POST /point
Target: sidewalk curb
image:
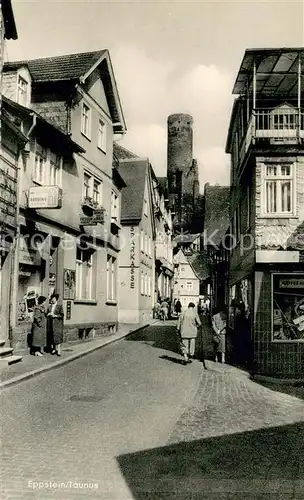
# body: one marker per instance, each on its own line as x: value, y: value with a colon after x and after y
x: 278, y: 381
x: 68, y: 359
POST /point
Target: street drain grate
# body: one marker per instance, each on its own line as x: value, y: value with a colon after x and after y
x: 86, y: 399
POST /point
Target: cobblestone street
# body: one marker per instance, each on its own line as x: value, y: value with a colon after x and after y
x: 132, y: 420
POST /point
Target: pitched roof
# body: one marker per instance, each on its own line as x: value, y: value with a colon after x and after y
x: 186, y: 238
x: 65, y: 67
x: 134, y: 173
x: 217, y: 217
x: 10, y: 30
x: 199, y: 263
x: 77, y: 67
x: 122, y: 153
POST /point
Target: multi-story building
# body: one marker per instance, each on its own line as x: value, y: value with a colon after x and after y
x: 186, y: 281
x: 265, y: 140
x: 216, y: 223
x: 137, y: 256
x: 70, y: 191
x: 163, y: 244
x: 12, y: 141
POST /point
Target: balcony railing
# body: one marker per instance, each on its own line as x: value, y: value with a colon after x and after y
x: 276, y: 126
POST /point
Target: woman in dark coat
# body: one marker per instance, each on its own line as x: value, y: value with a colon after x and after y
x: 56, y: 315
x: 38, y: 340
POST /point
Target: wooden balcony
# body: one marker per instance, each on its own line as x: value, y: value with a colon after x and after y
x: 273, y: 127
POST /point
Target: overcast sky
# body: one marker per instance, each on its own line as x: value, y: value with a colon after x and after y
x: 168, y: 57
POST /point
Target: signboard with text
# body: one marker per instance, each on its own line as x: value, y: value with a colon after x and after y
x: 132, y: 257
x: 44, y: 197
x: 96, y: 218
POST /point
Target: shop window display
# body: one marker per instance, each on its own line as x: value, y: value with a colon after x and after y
x: 287, y: 307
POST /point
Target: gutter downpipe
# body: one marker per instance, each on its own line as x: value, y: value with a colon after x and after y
x: 16, y: 243
x: 254, y: 102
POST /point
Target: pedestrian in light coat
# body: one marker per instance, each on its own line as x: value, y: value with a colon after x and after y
x: 219, y: 336
x: 38, y: 333
x: 56, y: 315
x: 187, y: 326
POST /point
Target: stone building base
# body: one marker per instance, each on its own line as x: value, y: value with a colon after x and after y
x: 72, y: 333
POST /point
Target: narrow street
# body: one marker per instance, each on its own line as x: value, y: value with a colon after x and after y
x: 130, y: 422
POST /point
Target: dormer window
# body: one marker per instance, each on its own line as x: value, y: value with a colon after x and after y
x: 22, y: 91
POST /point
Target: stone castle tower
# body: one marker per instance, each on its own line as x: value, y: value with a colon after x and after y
x: 182, y: 170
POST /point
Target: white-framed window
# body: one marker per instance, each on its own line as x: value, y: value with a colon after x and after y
x: 85, y: 274
x: 97, y: 185
x: 92, y: 189
x: 102, y: 136
x: 149, y: 247
x: 149, y: 286
x: 114, y: 206
x: 145, y: 207
x: 146, y: 284
x: 40, y: 164
x: 142, y: 241
x: 22, y: 91
x: 278, y: 189
x: 189, y: 285
x: 55, y: 169
x: 86, y: 120
x: 111, y: 278
x: 142, y: 285
x: 87, y: 190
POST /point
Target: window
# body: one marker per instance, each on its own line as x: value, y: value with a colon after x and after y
x: 146, y: 284
x: 85, y: 274
x: 96, y: 192
x: 86, y: 120
x: 149, y: 247
x: 142, y: 287
x: 111, y: 278
x: 142, y: 240
x: 86, y: 186
x: 278, y: 189
x: 101, y: 141
x: 189, y: 285
x: 149, y: 286
x: 114, y: 206
x: 22, y: 90
x: 40, y: 164
x: 92, y: 189
x: 287, y: 307
x: 145, y: 208
x: 55, y: 169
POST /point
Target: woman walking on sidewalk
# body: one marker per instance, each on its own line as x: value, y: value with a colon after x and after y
x: 56, y: 316
x: 187, y: 326
x: 38, y: 340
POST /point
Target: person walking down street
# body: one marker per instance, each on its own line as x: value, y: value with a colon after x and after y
x: 38, y: 340
x: 187, y: 325
x: 56, y: 316
x: 178, y: 307
x: 156, y: 310
x: 219, y: 336
x: 164, y: 309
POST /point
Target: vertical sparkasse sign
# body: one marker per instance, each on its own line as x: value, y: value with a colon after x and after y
x: 132, y: 257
